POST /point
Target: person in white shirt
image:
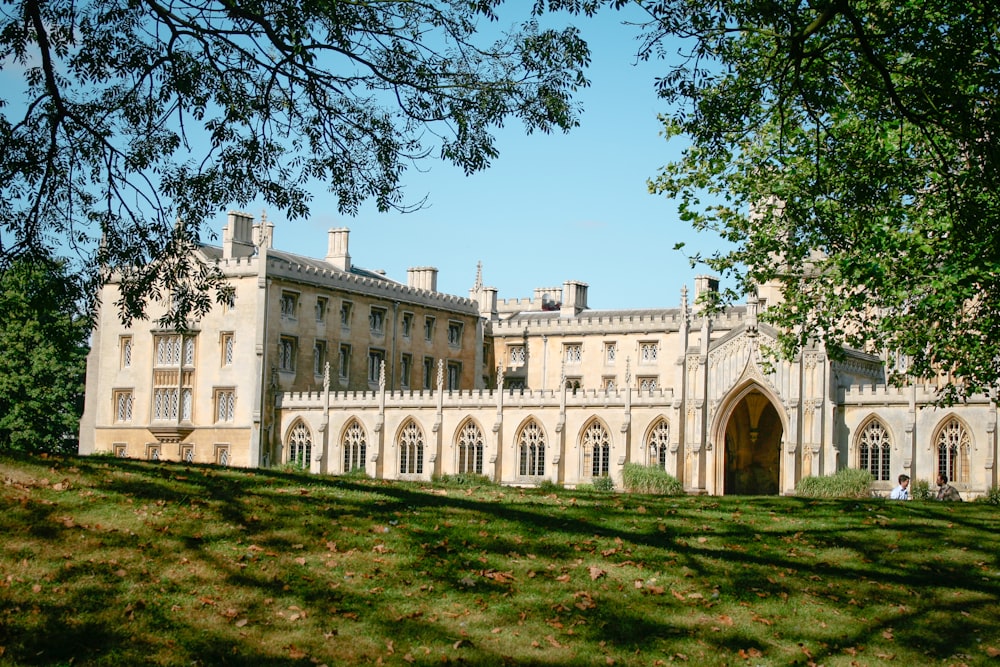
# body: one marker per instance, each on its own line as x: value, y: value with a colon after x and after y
x: 901, y: 492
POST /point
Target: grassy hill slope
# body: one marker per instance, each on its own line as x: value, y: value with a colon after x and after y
x: 117, y: 562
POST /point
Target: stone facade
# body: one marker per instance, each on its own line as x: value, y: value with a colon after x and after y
x: 521, y: 390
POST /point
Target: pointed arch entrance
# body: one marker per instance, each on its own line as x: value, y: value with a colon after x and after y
x: 751, y: 430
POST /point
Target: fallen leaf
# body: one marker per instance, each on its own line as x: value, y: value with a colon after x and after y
x: 596, y: 573
x: 552, y: 640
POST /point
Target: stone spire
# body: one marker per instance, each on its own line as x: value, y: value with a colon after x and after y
x: 478, y: 286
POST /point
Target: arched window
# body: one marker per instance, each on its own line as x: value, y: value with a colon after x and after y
x: 470, y: 449
x: 953, y: 444
x: 874, y: 446
x: 411, y: 449
x: 531, y: 448
x: 355, y: 447
x: 300, y: 445
x: 596, y: 447
x: 657, y: 443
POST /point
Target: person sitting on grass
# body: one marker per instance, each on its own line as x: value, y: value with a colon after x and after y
x: 901, y: 492
x: 946, y: 491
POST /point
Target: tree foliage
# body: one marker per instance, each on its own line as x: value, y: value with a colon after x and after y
x: 141, y: 120
x: 43, y: 351
x: 849, y: 153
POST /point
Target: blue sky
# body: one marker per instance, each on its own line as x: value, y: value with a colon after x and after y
x: 551, y: 208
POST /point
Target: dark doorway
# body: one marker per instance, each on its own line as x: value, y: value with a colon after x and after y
x: 753, y: 439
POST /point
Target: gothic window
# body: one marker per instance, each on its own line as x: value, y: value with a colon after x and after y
x: 455, y: 334
x: 647, y: 384
x: 344, y: 361
x: 188, y: 351
x: 319, y: 357
x: 405, y: 369
x: 470, y: 449
x: 454, y: 375
x: 187, y: 403
x: 126, y: 351
x: 608, y: 383
x: 517, y: 355
x: 428, y: 328
x: 228, y: 348
x: 345, y: 314
x: 355, y: 447
x: 648, y: 352
x: 168, y: 350
x: 610, y: 352
x: 596, y: 445
x: 165, y: 403
x: 514, y: 384
x: 289, y: 305
x: 531, y: 450
x: 153, y: 452
x: 658, y: 442
x: 321, y: 306
x: 573, y: 384
x: 407, y: 325
x: 375, y: 360
x: 187, y: 453
x: 225, y: 405
x: 953, y: 445
x: 123, y: 405
x: 874, y: 447
x: 286, y: 354
x: 120, y: 450
x: 411, y: 449
x: 573, y: 353
x: 300, y: 445
x: 376, y: 321
x: 428, y: 372
x: 222, y: 455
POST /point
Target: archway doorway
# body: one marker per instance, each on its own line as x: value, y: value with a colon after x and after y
x: 753, y: 441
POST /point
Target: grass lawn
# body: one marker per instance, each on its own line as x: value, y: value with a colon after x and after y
x: 109, y: 561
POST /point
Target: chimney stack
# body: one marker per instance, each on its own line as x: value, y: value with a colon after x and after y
x: 336, y: 249
x: 422, y: 277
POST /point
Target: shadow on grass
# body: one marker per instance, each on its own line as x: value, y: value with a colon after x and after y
x: 859, y: 557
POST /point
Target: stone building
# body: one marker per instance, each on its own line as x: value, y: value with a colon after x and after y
x: 520, y: 390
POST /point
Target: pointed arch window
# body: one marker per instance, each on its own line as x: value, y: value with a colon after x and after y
x: 355, y: 447
x: 470, y: 449
x: 874, y: 447
x: 953, y: 445
x: 531, y: 450
x: 411, y: 450
x: 300, y: 445
x: 658, y: 442
x: 596, y: 450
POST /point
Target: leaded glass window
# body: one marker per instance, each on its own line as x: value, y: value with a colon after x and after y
x: 596, y: 447
x: 300, y: 445
x: 355, y: 447
x: 531, y: 449
x: 470, y: 449
x: 658, y: 442
x: 873, y: 451
x: 411, y: 450
x: 953, y: 444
